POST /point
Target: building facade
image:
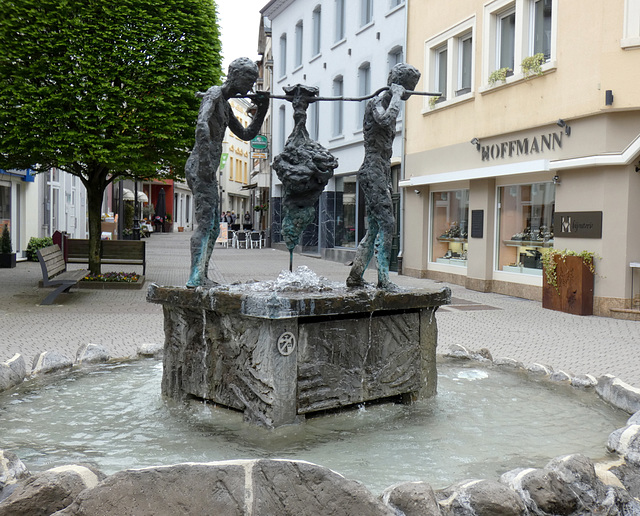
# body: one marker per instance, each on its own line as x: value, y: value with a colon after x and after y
x: 344, y: 49
x: 534, y: 143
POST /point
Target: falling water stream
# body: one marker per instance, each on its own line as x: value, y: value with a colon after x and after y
x: 483, y: 422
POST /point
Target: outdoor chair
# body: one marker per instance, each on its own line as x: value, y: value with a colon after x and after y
x: 256, y: 241
x: 241, y: 240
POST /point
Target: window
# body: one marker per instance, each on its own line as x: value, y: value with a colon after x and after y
x: 347, y: 215
x: 317, y: 30
x: 314, y: 121
x: 231, y: 169
x: 338, y: 91
x: 540, y: 30
x: 282, y: 127
x: 364, y: 88
x: 525, y: 221
x: 506, y: 40
x: 441, y: 72
x: 283, y: 55
x: 631, y: 29
x: 395, y: 3
x: 366, y: 12
x: 395, y: 57
x: 464, y: 64
x: 299, y: 39
x: 516, y: 29
x: 450, y: 61
x: 449, y: 227
x: 340, y: 20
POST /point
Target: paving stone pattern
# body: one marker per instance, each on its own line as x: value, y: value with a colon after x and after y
x: 122, y: 320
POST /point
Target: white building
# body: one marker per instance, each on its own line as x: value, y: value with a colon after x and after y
x: 343, y: 52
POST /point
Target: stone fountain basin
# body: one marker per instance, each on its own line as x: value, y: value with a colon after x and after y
x: 277, y: 356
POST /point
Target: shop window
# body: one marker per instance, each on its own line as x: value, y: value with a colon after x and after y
x: 450, y: 224
x: 525, y: 222
x: 5, y: 206
x: 450, y: 61
x: 346, y: 212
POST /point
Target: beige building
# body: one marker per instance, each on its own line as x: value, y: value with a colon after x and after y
x: 534, y: 143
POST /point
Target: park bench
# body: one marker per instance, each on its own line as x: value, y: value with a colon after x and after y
x: 55, y: 273
x: 112, y: 252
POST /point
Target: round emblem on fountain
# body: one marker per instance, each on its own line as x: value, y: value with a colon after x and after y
x: 286, y: 343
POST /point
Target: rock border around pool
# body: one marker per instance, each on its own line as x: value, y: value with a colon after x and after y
x: 568, y: 485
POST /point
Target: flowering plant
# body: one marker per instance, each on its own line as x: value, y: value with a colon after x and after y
x: 261, y: 207
x: 122, y: 277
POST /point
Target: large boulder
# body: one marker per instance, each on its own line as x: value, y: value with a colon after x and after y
x: 12, y: 372
x: 50, y: 361
x: 619, y: 393
x: 47, y: 492
x: 231, y: 488
x: 480, y: 498
x: 626, y: 442
x: 92, y: 354
x: 11, y: 471
x: 412, y: 499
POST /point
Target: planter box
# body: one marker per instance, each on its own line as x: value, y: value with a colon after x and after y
x: 7, y: 261
x: 575, y: 287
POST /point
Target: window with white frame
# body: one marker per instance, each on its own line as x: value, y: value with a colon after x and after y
x: 631, y: 29
x: 317, y: 31
x: 299, y: 40
x: 506, y: 39
x: 366, y: 12
x: 340, y: 22
x: 338, y: 91
x: 395, y: 3
x: 450, y: 61
x: 364, y: 88
x: 395, y: 57
x: 283, y: 55
x: 515, y: 30
x: 282, y: 127
x: 440, y: 80
x: 314, y: 121
x: 540, y: 28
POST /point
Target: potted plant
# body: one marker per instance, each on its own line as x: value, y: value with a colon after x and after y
x: 568, y: 279
x: 500, y: 74
x: 7, y: 256
x: 532, y: 65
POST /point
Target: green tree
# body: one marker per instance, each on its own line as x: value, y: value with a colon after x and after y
x: 103, y: 89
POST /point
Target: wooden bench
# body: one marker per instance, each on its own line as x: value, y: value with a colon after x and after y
x: 118, y: 252
x: 55, y: 273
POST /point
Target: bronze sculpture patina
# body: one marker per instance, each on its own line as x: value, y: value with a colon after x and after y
x: 379, y: 128
x: 304, y: 167
x: 214, y: 117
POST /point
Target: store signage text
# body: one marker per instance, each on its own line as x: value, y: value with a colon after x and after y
x: 578, y: 224
x: 522, y: 146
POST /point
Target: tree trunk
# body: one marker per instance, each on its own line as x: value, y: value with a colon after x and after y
x: 95, y: 191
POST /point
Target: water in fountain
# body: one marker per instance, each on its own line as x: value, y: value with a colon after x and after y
x: 483, y: 422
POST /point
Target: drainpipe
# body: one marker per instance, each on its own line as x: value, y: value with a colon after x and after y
x: 402, y: 149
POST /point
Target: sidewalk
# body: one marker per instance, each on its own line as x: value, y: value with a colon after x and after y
x: 121, y: 320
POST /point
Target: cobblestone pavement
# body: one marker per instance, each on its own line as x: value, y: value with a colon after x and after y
x: 121, y: 320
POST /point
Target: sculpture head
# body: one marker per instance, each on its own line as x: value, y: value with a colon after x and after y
x: 405, y: 75
x: 242, y: 75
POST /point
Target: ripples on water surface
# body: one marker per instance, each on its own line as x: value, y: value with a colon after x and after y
x: 482, y: 423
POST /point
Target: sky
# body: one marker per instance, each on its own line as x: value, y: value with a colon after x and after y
x: 239, y: 21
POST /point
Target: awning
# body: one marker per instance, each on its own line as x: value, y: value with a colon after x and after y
x: 127, y: 195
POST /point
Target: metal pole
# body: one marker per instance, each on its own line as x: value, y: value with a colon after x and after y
x: 258, y: 94
x: 136, y: 218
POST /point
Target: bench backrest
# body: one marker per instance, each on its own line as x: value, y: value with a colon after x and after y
x: 51, y: 261
x: 123, y: 249
x: 109, y: 249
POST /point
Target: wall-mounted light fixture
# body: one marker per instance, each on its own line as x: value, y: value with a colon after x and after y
x: 556, y: 180
x: 608, y: 97
x: 476, y: 142
x: 567, y: 129
x: 418, y: 192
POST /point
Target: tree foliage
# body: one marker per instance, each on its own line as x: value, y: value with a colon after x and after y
x: 103, y: 89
